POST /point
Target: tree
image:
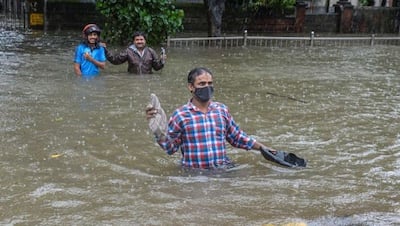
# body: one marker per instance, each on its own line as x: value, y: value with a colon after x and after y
x: 158, y: 18
x: 367, y: 2
x: 215, y: 10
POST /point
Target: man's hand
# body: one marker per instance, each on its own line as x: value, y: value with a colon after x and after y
x: 150, y: 112
x: 163, y: 56
x: 87, y: 56
x: 265, y: 148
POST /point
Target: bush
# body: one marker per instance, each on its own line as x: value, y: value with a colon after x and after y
x: 158, y: 18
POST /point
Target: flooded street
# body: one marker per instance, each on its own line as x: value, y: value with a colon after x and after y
x: 79, y: 152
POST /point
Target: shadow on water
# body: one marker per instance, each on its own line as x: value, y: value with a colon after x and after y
x: 78, y: 150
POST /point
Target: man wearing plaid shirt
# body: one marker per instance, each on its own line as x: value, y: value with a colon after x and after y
x: 201, y: 127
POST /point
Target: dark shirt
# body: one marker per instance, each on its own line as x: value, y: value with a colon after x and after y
x: 137, y: 64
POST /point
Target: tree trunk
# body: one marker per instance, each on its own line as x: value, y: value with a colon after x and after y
x: 215, y: 10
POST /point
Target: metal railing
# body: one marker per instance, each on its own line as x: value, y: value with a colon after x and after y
x: 274, y: 41
x: 12, y: 15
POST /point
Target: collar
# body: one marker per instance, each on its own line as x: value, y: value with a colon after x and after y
x: 191, y: 106
x: 133, y: 47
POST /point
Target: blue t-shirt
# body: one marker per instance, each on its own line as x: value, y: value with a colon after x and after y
x: 87, y: 67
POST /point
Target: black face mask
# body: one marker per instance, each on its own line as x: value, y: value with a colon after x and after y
x: 204, y: 94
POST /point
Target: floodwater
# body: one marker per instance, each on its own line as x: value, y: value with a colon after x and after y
x: 79, y: 152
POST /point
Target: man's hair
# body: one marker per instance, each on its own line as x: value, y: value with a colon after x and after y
x: 139, y: 33
x: 196, y: 72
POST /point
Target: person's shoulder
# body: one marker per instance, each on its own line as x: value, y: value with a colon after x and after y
x: 220, y: 105
x: 102, y: 48
x: 150, y: 49
x: 182, y: 108
x: 80, y: 45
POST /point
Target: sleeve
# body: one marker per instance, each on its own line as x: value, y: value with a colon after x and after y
x: 119, y: 58
x: 102, y: 55
x: 235, y: 136
x: 173, y: 140
x: 78, y: 55
x: 156, y: 60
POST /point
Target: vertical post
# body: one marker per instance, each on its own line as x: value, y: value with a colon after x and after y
x: 45, y: 16
x: 372, y: 39
x: 312, y: 39
x: 327, y: 6
x: 245, y: 38
x: 23, y: 13
x: 15, y: 15
x: 347, y: 18
x: 300, y: 16
x: 344, y: 10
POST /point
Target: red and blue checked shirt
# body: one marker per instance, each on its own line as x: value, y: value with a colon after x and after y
x: 201, y: 137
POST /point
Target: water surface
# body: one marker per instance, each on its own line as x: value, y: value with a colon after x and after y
x: 79, y: 152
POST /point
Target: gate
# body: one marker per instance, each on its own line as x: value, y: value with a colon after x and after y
x: 12, y: 15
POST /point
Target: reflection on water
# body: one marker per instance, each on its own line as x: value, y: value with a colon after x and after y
x: 80, y: 151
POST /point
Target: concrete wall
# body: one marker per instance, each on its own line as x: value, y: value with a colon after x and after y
x: 321, y: 23
x: 376, y: 20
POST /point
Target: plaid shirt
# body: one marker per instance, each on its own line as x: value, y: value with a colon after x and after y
x: 201, y: 137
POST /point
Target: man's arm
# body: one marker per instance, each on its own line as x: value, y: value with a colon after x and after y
x: 77, y: 69
x: 99, y: 64
x: 158, y: 62
x: 120, y: 58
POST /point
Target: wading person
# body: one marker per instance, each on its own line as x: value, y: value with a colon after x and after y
x: 89, y: 54
x: 200, y: 128
x: 141, y: 59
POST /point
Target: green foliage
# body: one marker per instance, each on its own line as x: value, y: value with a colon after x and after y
x: 367, y: 2
x: 158, y: 18
x: 276, y: 7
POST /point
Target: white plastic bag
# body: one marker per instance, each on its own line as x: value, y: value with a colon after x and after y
x: 157, y: 124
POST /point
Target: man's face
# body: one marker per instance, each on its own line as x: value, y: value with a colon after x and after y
x: 201, y: 81
x: 139, y: 42
x: 92, y: 37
